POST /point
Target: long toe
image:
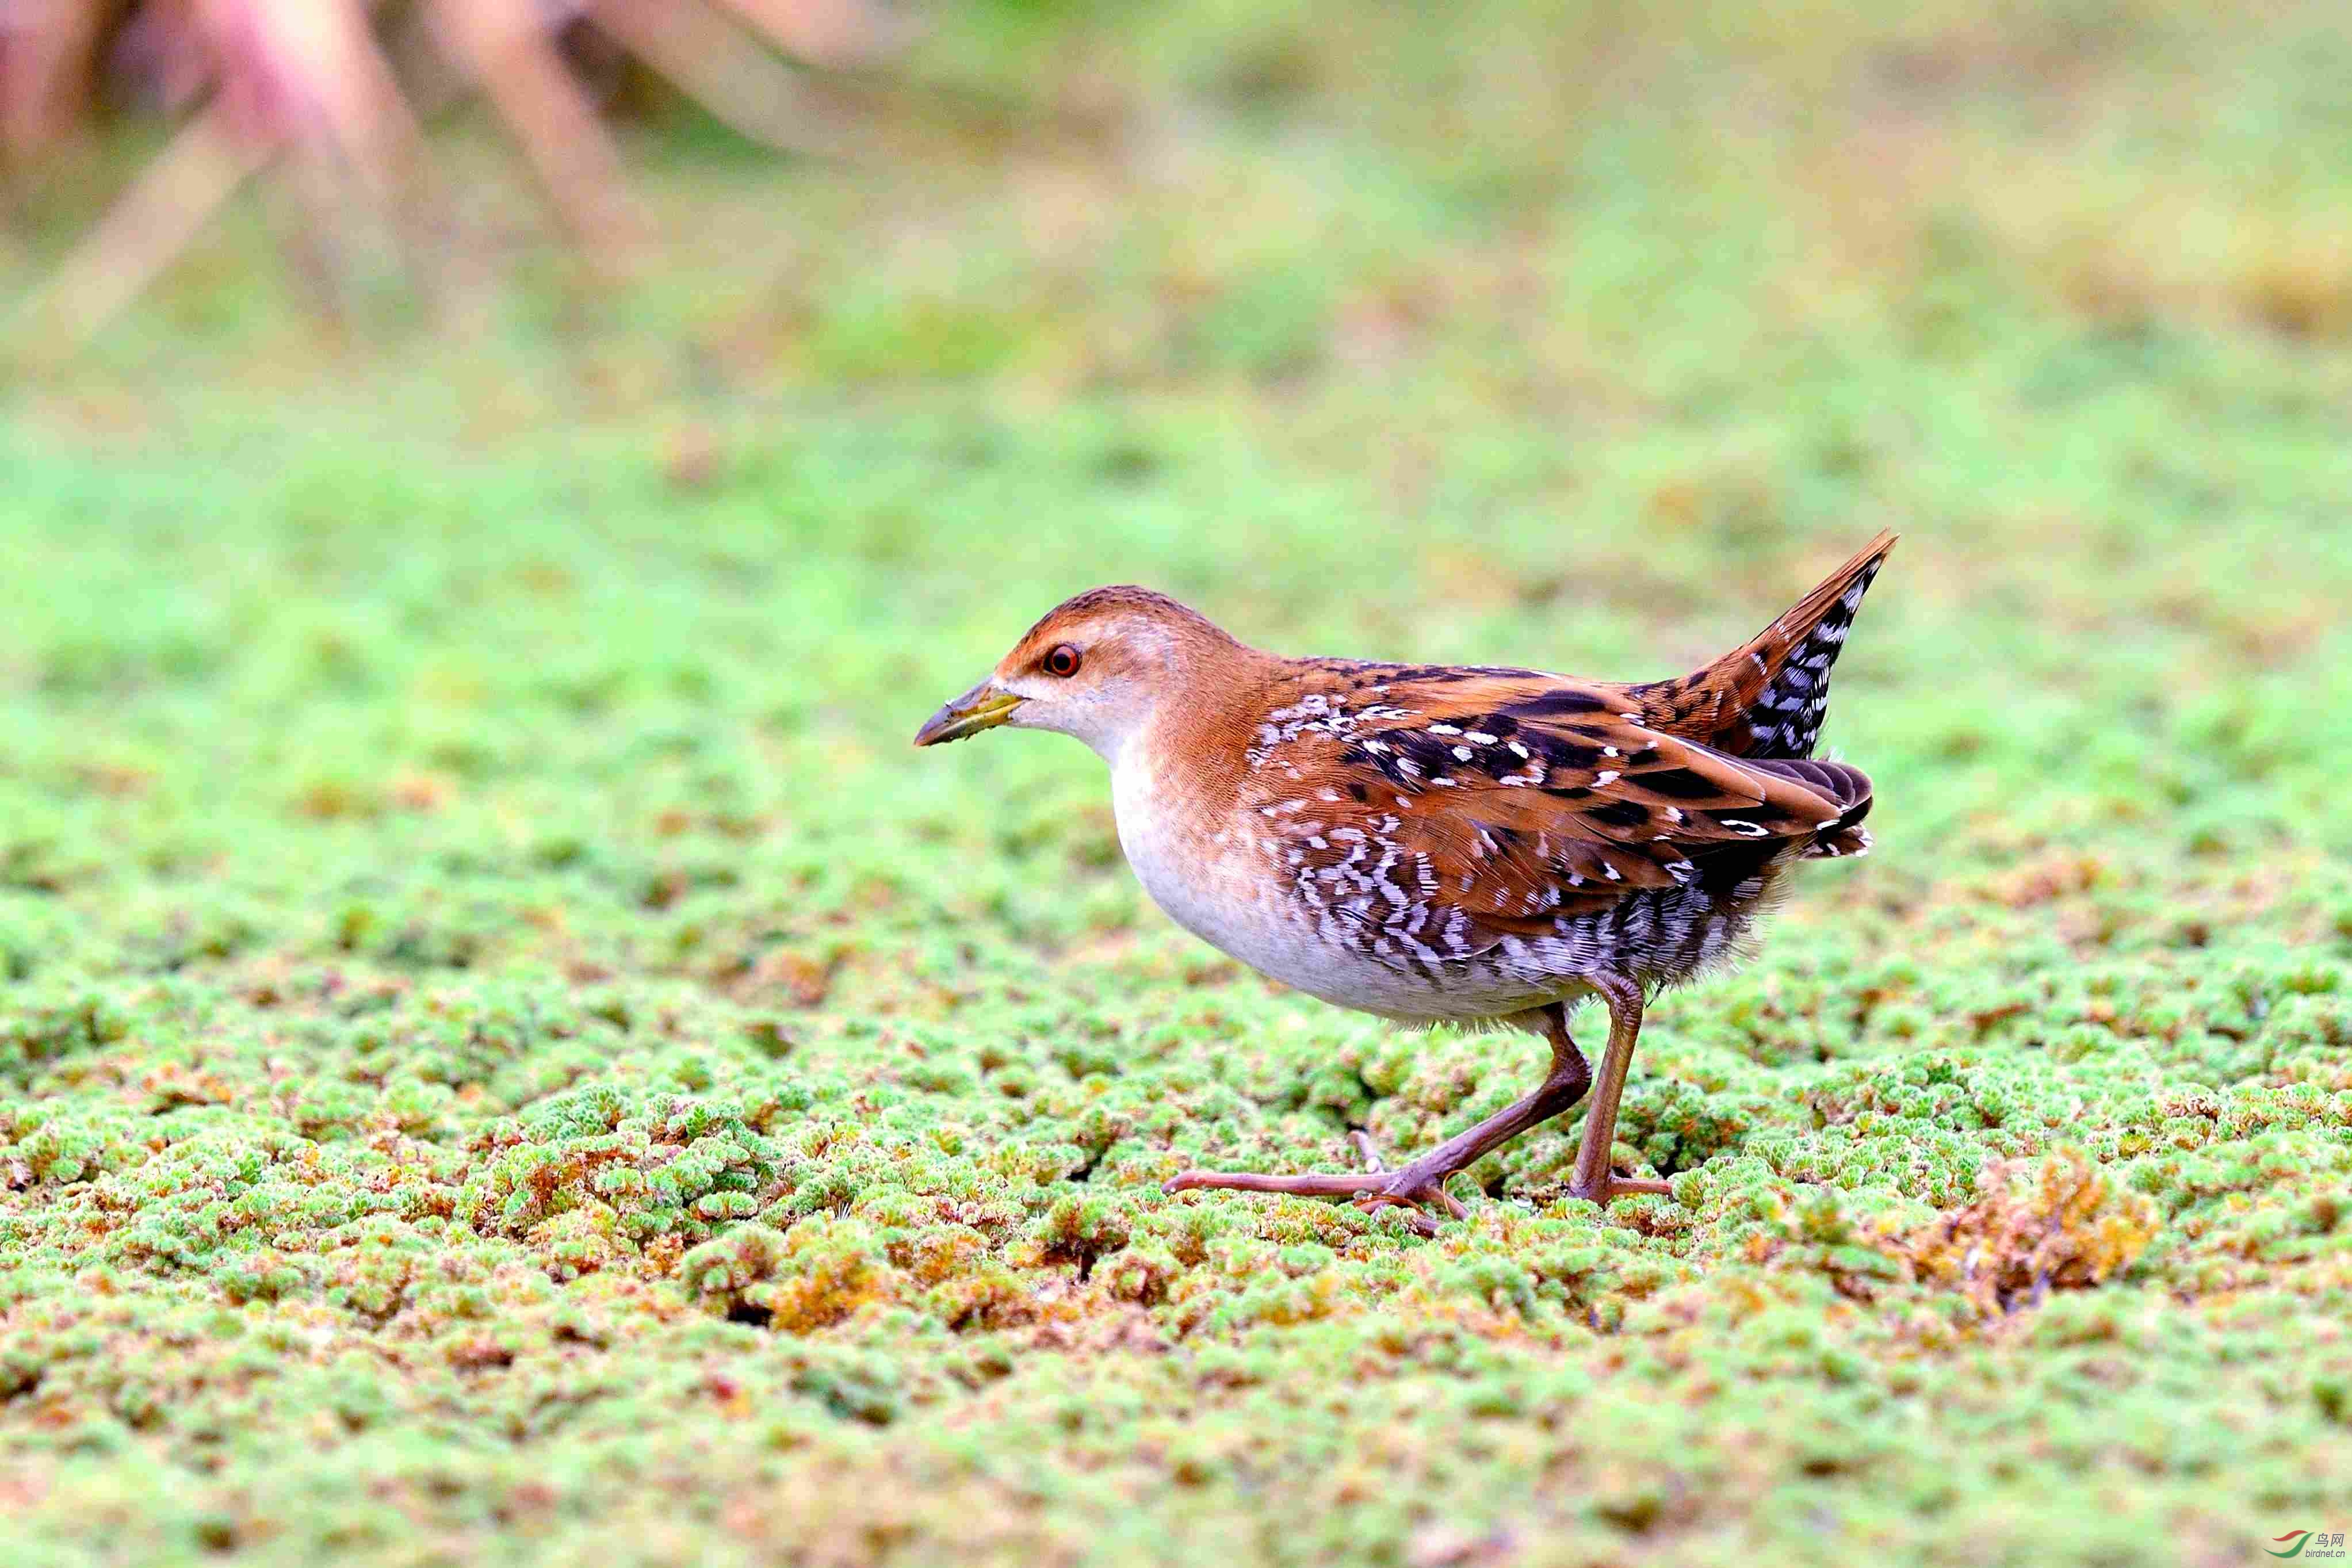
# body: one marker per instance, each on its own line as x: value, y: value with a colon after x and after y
x: 1419, y: 1191
x: 1414, y: 1215
x: 1436, y: 1193
x: 1310, y: 1186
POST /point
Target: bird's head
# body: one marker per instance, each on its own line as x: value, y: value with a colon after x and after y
x: 1099, y: 666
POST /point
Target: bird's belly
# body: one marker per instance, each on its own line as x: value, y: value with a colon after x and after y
x: 1220, y: 893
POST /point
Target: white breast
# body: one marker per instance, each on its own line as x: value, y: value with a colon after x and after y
x: 1214, y: 888
x: 1201, y: 886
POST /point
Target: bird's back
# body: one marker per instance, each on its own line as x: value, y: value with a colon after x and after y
x: 1452, y: 841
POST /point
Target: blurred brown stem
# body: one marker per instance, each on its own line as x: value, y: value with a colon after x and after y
x: 513, y: 57
x: 747, y: 88
x: 310, y: 77
x: 150, y: 224
x: 44, y: 57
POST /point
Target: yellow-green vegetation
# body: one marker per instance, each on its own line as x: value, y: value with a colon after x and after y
x: 507, y: 1054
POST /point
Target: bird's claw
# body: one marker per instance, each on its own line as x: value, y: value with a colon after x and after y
x: 1415, y: 1193
x: 1613, y: 1185
x: 1414, y: 1216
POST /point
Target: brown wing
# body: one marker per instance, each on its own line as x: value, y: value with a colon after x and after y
x: 1444, y: 815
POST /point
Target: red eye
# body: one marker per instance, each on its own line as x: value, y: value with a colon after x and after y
x: 1063, y: 661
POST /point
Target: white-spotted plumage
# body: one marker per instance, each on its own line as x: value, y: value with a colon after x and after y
x: 1444, y: 843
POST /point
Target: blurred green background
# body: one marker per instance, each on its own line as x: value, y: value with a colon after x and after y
x: 505, y: 1051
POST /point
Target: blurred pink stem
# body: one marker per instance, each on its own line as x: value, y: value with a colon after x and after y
x: 507, y: 47
x: 828, y: 32
x: 724, y: 72
x: 150, y: 224
x: 46, y: 48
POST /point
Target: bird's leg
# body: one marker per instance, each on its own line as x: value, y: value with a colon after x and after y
x: 1423, y: 1181
x: 1593, y: 1178
x: 1421, y: 1184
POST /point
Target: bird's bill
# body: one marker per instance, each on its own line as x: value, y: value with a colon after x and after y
x: 984, y: 707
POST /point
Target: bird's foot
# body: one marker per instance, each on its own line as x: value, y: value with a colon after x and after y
x: 1418, y: 1188
x: 1613, y: 1185
x: 1416, y: 1199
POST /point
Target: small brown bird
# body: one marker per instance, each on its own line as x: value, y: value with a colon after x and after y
x: 1445, y: 844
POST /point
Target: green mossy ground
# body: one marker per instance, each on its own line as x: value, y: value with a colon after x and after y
x: 505, y: 1053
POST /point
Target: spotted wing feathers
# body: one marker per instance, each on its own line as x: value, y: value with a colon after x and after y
x: 1440, y: 817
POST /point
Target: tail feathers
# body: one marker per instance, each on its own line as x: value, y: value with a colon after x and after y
x: 1766, y: 698
x: 1847, y: 786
